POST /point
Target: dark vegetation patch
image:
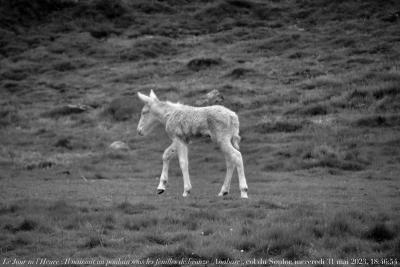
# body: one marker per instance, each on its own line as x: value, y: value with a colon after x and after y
x: 273, y: 124
x: 44, y: 164
x: 198, y: 64
x: 149, y: 48
x: 378, y: 121
x: 9, y: 208
x: 391, y: 90
x: 28, y: 225
x: 327, y: 156
x: 140, y: 222
x: 238, y: 73
x: 309, y: 73
x: 311, y: 110
x: 123, y: 108
x: 61, y: 209
x: 8, y: 116
x: 65, y: 111
x: 20, y: 240
x: 380, y: 232
x: 136, y: 208
x: 13, y: 87
x: 68, y: 65
x: 309, y: 156
x: 158, y: 238
x: 64, y: 143
x: 23, y: 12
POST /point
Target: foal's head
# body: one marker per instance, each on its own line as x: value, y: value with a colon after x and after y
x: 149, y: 116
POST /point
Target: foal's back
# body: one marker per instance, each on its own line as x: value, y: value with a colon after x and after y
x: 187, y: 122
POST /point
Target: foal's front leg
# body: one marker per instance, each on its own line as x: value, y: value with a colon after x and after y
x: 169, y: 153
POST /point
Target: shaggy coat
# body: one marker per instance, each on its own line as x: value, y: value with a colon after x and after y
x: 186, y: 122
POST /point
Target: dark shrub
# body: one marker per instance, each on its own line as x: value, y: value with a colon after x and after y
x: 378, y: 121
x: 240, y: 72
x: 198, y: 64
x: 110, y: 8
x: 123, y: 108
x: 27, y: 225
x: 380, y: 232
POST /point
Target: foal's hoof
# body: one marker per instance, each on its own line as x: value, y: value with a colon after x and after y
x: 222, y: 194
x: 186, y: 194
x: 160, y: 191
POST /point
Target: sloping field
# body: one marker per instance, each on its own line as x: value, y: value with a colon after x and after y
x: 316, y: 85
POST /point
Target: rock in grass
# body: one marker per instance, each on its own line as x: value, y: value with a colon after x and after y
x: 213, y: 97
x: 119, y: 145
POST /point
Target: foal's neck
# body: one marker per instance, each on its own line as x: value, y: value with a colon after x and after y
x: 164, y: 109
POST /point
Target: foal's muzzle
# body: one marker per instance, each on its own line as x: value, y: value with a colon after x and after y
x: 140, y: 131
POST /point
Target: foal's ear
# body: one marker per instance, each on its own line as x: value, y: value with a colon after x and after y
x: 153, y: 95
x: 146, y: 99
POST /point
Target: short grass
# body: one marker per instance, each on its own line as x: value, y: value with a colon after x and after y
x: 316, y: 88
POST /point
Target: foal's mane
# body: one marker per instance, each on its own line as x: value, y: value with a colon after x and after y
x: 176, y: 105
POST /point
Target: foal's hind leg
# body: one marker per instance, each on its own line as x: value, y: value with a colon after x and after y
x: 184, y: 164
x: 236, y: 158
x: 169, y: 153
x: 230, y: 167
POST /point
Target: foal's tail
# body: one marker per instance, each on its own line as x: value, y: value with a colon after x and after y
x: 235, y: 141
x: 235, y: 137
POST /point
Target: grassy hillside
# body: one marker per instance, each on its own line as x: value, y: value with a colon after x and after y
x: 316, y: 85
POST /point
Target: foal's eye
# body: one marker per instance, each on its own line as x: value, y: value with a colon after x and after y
x: 145, y: 112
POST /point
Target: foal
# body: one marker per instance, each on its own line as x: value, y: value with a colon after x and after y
x: 183, y: 122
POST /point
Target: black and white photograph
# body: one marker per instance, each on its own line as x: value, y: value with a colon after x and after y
x: 199, y: 133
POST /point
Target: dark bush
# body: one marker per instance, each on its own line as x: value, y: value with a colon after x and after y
x: 123, y: 108
x: 27, y: 225
x: 198, y: 64
x: 391, y: 90
x: 380, y: 232
x: 378, y: 121
x: 110, y: 8
x: 240, y: 72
